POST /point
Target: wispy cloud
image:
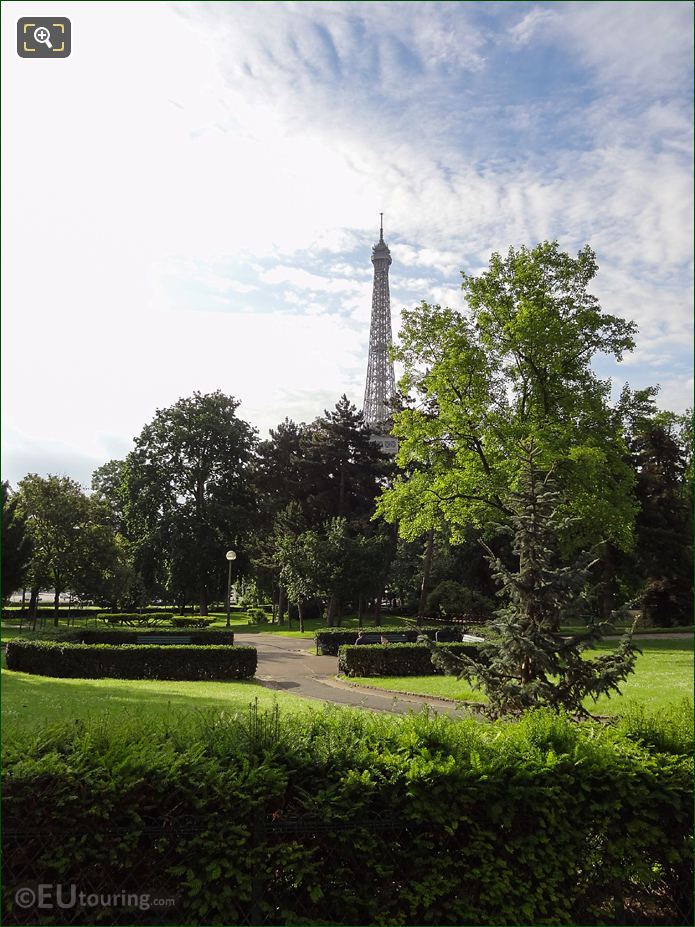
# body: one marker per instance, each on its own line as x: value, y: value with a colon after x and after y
x: 223, y: 204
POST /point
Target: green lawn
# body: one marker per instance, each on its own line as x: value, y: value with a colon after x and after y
x: 30, y: 701
x: 663, y: 677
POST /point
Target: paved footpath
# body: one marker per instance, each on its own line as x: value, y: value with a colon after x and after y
x: 290, y: 664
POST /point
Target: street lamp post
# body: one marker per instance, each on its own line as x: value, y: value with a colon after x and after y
x: 231, y: 555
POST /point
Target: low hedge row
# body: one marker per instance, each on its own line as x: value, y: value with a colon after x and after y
x: 47, y: 611
x: 328, y: 640
x: 190, y: 621
x: 130, y: 661
x: 349, y: 818
x: 133, y: 617
x: 396, y: 659
x: 86, y: 636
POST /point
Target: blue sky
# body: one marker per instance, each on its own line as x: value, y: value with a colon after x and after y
x: 210, y: 178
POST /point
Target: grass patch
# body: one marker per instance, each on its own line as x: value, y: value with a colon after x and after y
x: 663, y: 677
x: 30, y: 701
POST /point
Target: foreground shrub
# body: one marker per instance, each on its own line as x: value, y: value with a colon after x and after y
x: 396, y: 659
x: 130, y: 661
x: 345, y: 818
x: 328, y: 640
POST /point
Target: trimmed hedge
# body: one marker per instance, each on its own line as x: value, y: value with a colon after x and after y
x: 128, y: 661
x: 328, y: 640
x: 396, y: 659
x: 194, y: 621
x: 87, y: 636
x: 347, y: 818
x: 48, y: 611
x: 143, y: 618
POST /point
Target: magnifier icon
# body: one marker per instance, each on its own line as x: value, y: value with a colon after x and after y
x: 43, y: 36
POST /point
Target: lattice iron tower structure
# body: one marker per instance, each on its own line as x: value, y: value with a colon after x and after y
x: 381, y: 382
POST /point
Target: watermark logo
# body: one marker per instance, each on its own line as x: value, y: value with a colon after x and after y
x: 47, y: 896
x: 43, y: 37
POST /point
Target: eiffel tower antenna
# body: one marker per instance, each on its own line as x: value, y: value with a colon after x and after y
x: 381, y: 384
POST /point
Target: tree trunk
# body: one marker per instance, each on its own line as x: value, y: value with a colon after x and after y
x: 333, y: 615
x: 377, y: 608
x: 33, y: 605
x: 56, y: 606
x: 275, y: 604
x: 426, y: 569
x: 607, y: 576
x: 282, y: 604
x: 24, y: 599
x: 203, y: 601
x: 341, y: 491
x: 300, y: 611
x: 360, y: 610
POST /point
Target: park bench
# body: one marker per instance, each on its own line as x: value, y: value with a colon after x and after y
x: 162, y: 639
x: 391, y: 638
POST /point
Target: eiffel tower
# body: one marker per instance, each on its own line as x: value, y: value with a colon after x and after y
x: 381, y: 383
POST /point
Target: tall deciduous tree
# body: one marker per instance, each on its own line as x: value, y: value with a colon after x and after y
x: 57, y: 513
x: 515, y: 367
x: 16, y: 544
x: 189, y: 493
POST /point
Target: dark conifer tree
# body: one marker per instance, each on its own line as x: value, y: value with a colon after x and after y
x: 664, y: 526
x: 531, y: 663
x: 342, y: 467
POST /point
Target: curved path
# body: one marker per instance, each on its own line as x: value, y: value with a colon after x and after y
x: 291, y: 665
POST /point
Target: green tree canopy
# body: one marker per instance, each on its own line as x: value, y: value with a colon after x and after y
x: 16, y: 543
x: 515, y: 367
x: 189, y: 494
x: 74, y: 546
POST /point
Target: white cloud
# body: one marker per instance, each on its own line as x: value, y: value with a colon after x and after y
x: 302, y: 279
x: 209, y: 219
x: 530, y: 23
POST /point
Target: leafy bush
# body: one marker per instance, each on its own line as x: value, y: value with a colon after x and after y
x: 452, y: 600
x: 328, y: 640
x: 395, y: 659
x: 85, y: 636
x: 257, y: 615
x: 190, y: 621
x: 342, y: 817
x: 131, y: 661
